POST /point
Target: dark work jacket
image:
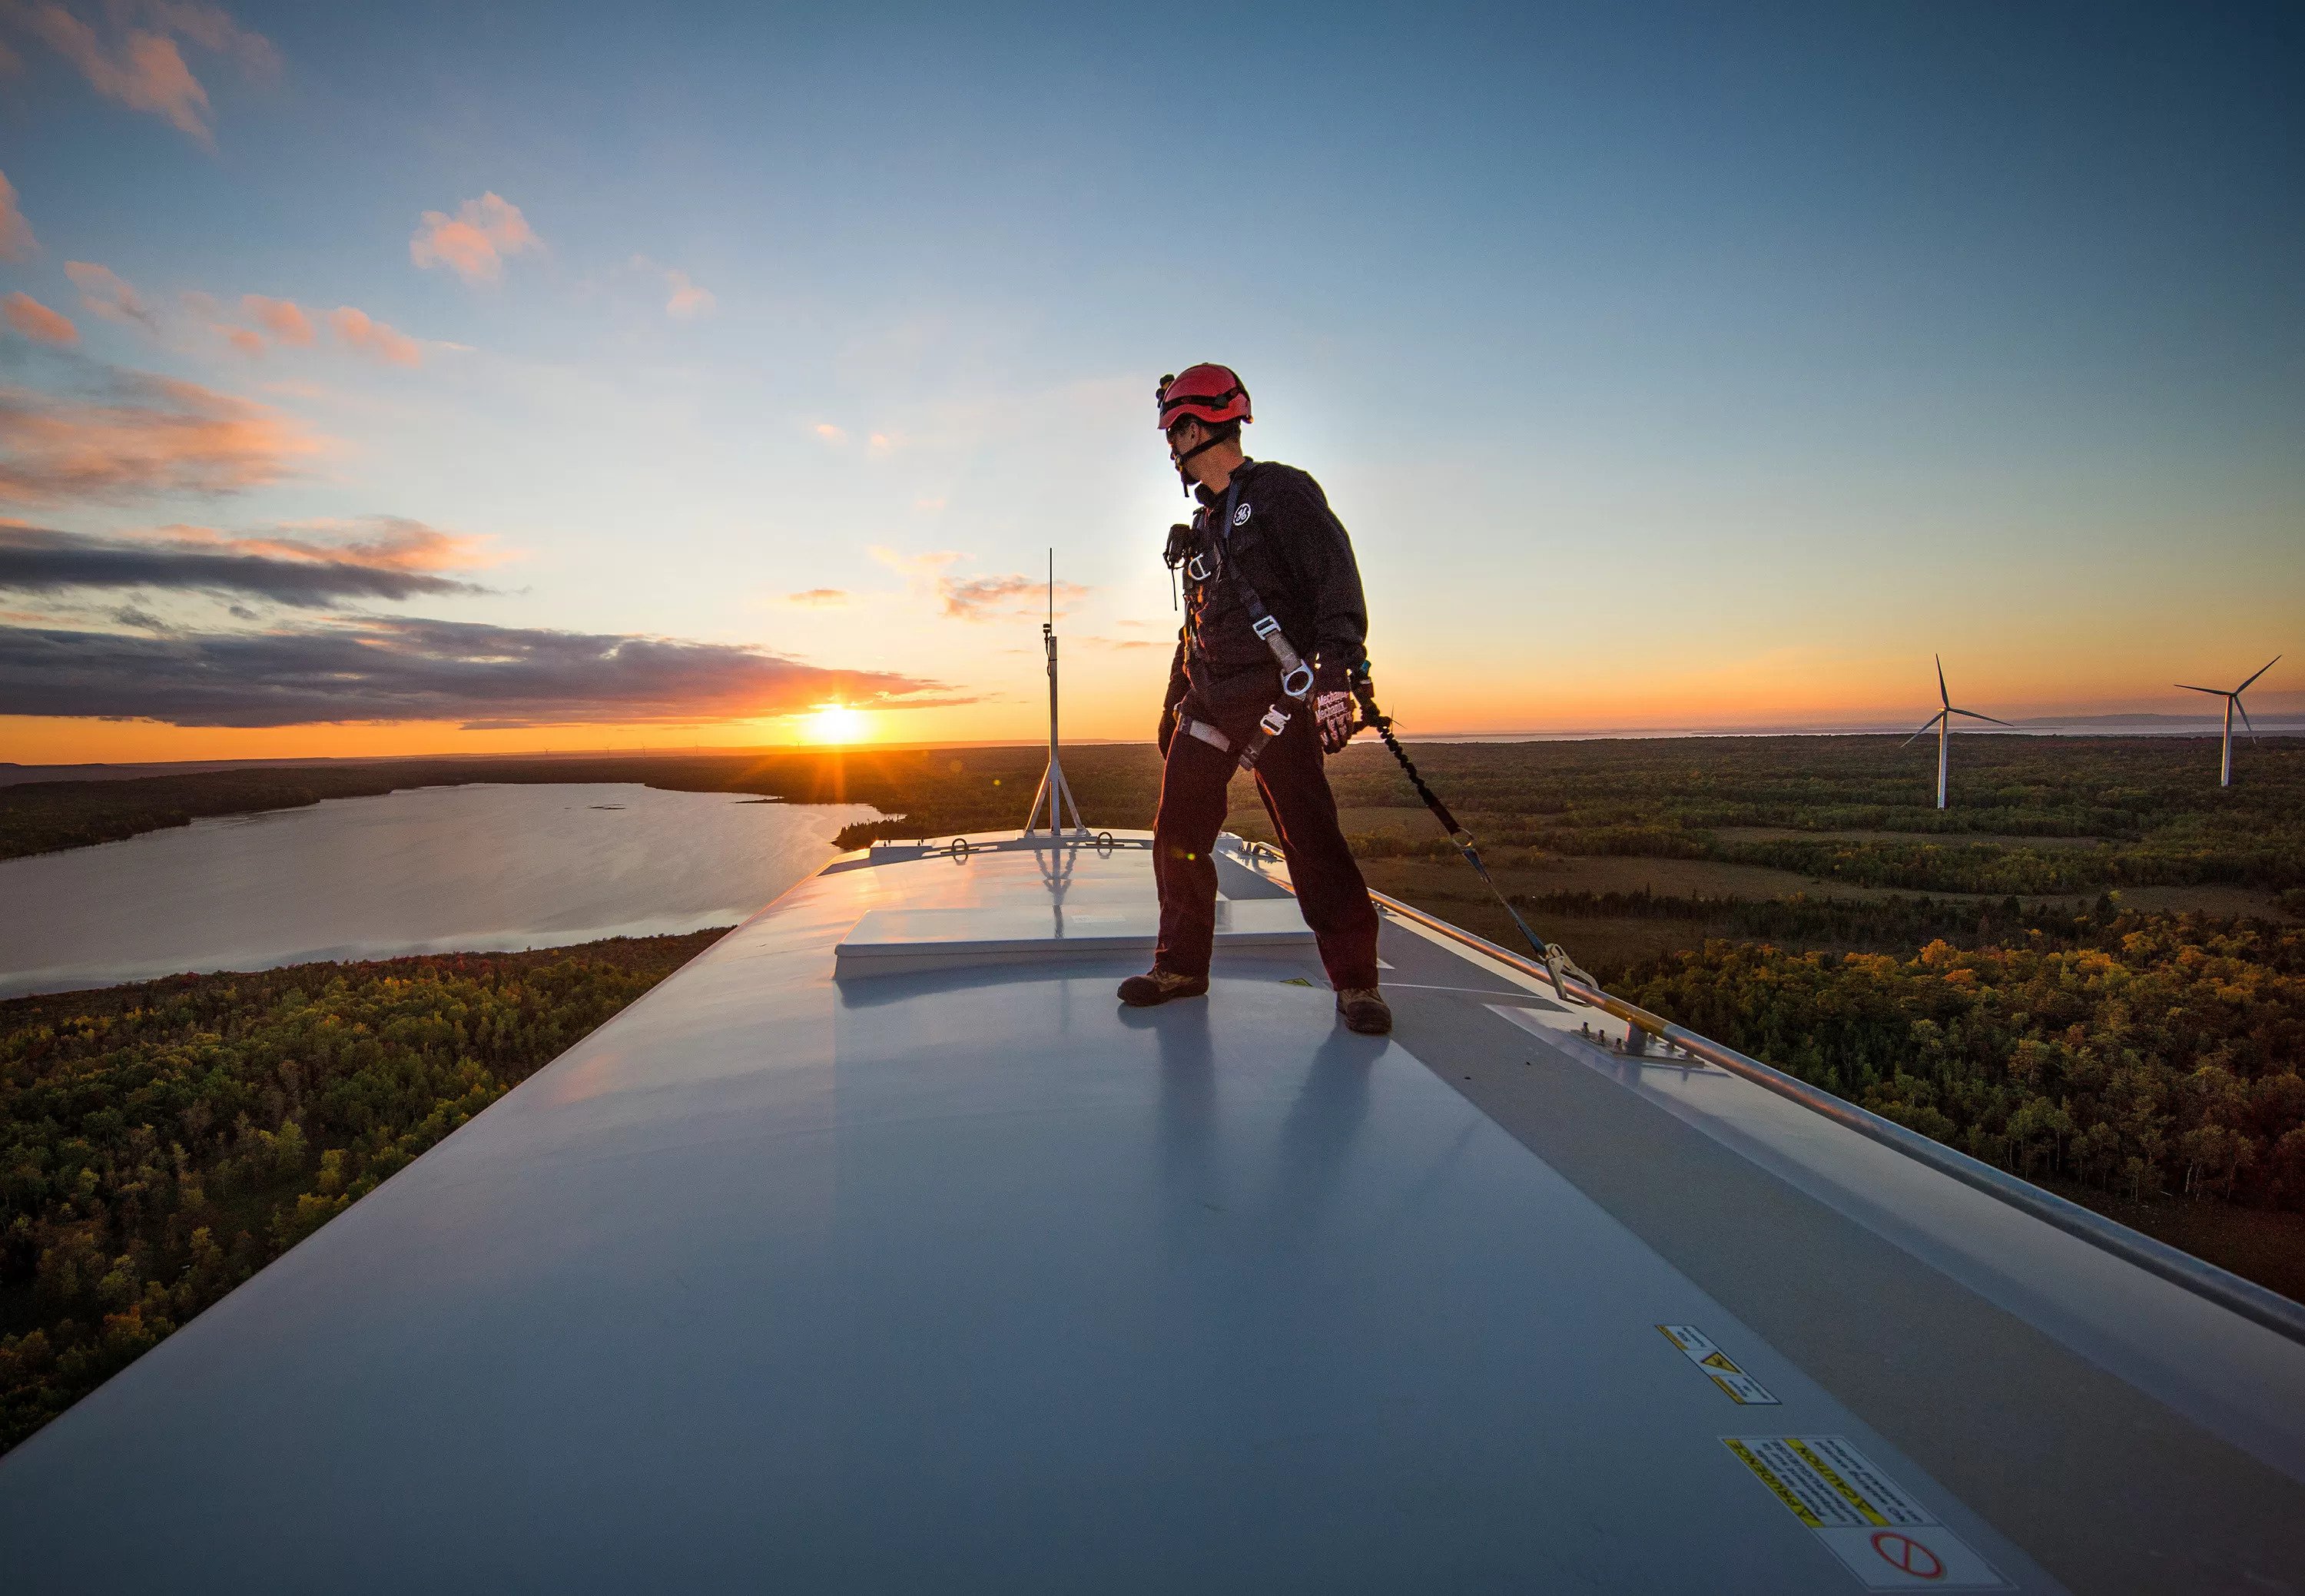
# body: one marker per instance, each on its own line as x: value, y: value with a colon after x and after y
x: 1295, y: 552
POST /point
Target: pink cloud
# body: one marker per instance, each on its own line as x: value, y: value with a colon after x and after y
x: 375, y: 543
x: 284, y: 318
x: 36, y: 321
x: 142, y: 71
x: 211, y: 29
x: 248, y: 343
x: 16, y: 240
x: 147, y: 435
x: 103, y: 293
x: 818, y: 598
x: 140, y: 65
x: 474, y: 241
x: 990, y: 597
x: 356, y: 330
x: 688, y: 300
x: 830, y: 433
x: 975, y: 598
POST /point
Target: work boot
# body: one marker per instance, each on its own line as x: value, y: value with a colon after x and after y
x: 1364, y: 1010
x: 1159, y: 986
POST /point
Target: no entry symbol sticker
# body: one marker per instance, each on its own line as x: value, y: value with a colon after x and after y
x: 1907, y: 1555
x: 1878, y: 1529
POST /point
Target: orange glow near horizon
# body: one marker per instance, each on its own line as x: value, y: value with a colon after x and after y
x: 1110, y: 701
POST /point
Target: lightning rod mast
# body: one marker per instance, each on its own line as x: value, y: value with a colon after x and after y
x: 1057, y: 792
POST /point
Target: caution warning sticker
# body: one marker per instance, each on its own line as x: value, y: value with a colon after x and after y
x: 1740, y: 1386
x: 1889, y: 1540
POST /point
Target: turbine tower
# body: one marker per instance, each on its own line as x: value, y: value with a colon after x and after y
x: 1943, y: 721
x: 2233, y: 703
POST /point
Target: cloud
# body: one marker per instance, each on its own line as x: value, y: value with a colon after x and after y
x: 139, y: 64
x: 914, y: 565
x: 830, y: 433
x: 211, y: 29
x: 140, y: 434
x: 994, y: 598
x: 356, y: 330
x: 818, y: 598
x: 103, y: 292
x: 688, y: 300
x: 418, y: 670
x: 976, y: 598
x: 36, y: 321
x: 881, y: 443
x: 16, y: 240
x: 248, y: 343
x: 284, y: 318
x: 474, y: 241
x: 398, y: 563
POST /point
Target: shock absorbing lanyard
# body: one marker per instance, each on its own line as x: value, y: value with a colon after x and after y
x: 1297, y: 683
x: 1557, y: 962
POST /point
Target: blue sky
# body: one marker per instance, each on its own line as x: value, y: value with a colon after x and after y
x: 1672, y: 365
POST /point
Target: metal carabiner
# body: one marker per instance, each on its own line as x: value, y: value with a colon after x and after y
x: 1298, y: 682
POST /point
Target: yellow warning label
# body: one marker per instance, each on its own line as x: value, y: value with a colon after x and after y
x: 1888, y: 1540
x: 1718, y: 1366
x: 1799, y: 1508
x: 1825, y: 1472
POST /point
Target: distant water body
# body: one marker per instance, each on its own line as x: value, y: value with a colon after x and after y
x: 432, y: 869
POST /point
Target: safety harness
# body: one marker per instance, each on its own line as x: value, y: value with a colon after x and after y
x: 1296, y: 685
x: 1296, y: 675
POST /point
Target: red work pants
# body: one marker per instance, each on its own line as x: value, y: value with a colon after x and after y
x: 1296, y: 793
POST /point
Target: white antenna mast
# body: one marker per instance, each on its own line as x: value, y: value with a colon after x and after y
x: 1055, y: 790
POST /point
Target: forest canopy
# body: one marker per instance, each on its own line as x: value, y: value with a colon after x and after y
x: 161, y: 1142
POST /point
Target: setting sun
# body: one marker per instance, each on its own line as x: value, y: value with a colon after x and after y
x: 836, y: 723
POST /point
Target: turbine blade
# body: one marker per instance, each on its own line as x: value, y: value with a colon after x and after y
x: 2244, y: 718
x: 2268, y: 665
x: 2212, y: 692
x: 1973, y: 716
x: 1924, y: 732
x: 1944, y: 697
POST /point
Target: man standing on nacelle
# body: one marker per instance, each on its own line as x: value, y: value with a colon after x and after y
x: 1267, y: 566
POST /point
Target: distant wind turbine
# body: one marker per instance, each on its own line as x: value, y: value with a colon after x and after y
x: 2233, y: 703
x: 1943, y: 721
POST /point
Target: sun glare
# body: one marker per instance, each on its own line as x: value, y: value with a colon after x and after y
x: 835, y: 723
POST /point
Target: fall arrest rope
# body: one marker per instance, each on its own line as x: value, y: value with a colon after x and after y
x: 1557, y: 962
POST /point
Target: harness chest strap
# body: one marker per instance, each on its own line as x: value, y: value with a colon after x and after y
x: 1296, y: 675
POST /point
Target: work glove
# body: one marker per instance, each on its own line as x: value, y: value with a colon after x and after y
x: 1168, y: 732
x: 1332, y: 706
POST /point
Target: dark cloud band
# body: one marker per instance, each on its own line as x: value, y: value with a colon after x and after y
x: 36, y: 560
x: 483, y: 676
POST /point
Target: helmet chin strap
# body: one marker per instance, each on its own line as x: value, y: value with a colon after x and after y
x: 1184, y: 460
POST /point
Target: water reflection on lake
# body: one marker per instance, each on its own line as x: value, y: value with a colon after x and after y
x: 434, y: 869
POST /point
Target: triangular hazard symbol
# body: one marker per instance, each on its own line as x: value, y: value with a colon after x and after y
x: 1720, y: 1361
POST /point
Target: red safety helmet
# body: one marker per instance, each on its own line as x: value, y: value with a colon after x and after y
x: 1204, y: 393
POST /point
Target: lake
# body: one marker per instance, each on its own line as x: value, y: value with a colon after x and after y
x: 432, y: 869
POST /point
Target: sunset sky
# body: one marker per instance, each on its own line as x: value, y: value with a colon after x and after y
x: 416, y: 377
